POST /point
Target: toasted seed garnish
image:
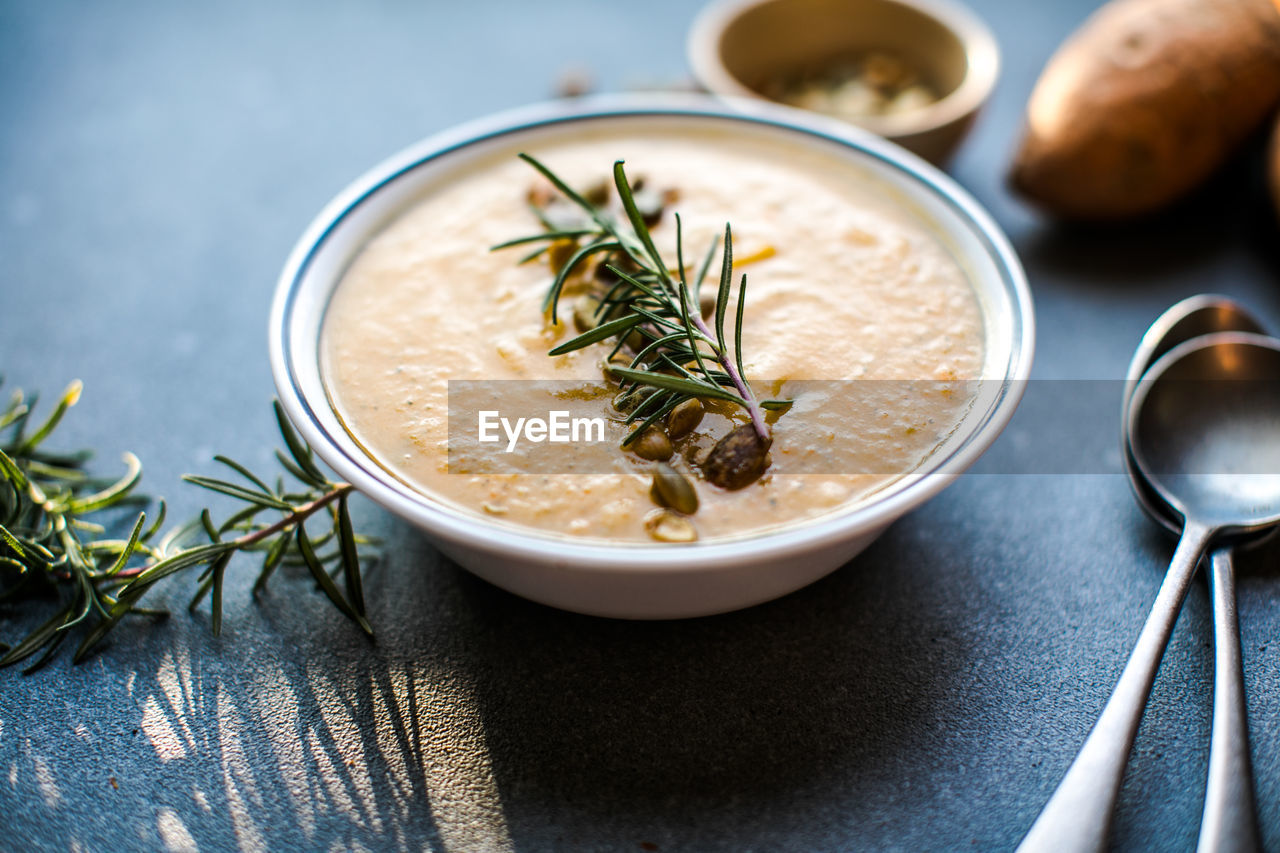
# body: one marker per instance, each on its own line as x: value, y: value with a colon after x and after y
x: 541, y: 194
x: 559, y: 253
x: 707, y: 304
x: 636, y: 340
x: 615, y: 360
x: 696, y: 449
x: 628, y: 400
x: 738, y: 459
x: 665, y: 526
x: 673, y: 489
x: 651, y: 205
x: 653, y: 445
x: 598, y: 193
x: 584, y: 312
x: 684, y: 418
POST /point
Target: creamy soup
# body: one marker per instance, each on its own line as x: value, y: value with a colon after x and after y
x: 846, y: 283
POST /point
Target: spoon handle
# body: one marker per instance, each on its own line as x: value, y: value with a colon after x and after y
x: 1229, y: 824
x: 1077, y: 818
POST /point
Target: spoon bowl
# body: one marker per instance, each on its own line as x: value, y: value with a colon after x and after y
x: 1203, y: 314
x: 1204, y: 430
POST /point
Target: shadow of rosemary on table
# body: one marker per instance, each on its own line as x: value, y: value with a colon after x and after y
x: 477, y: 714
x: 289, y: 731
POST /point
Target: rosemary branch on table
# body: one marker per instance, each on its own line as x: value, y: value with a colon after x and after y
x: 679, y: 354
x: 54, y: 541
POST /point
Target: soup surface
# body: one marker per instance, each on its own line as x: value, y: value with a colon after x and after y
x: 846, y: 283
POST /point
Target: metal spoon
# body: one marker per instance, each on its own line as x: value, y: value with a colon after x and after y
x: 1229, y: 822
x: 1227, y: 808
x: 1173, y: 430
x: 1191, y: 318
x: 1223, y: 473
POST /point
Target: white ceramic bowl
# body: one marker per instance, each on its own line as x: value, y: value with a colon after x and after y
x: 645, y: 581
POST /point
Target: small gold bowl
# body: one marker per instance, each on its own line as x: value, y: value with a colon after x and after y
x: 745, y: 48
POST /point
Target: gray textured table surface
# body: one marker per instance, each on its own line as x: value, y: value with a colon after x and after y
x: 158, y: 160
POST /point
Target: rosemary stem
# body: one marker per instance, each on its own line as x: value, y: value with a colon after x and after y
x: 300, y: 514
x: 753, y: 407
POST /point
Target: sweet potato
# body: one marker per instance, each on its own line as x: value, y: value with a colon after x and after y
x: 1145, y: 101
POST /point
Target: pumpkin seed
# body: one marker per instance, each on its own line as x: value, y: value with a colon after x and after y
x: 707, y: 304
x: 653, y: 444
x: 559, y: 253
x: 597, y: 193
x: 696, y: 449
x: 615, y: 360
x: 738, y: 459
x: 665, y: 526
x: 628, y: 400
x: 651, y: 205
x: 673, y: 489
x: 684, y: 418
x: 636, y: 340
x: 584, y: 312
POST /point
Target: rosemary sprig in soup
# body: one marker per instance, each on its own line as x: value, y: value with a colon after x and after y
x: 671, y: 351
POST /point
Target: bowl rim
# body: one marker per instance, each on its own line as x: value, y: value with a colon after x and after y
x: 982, y: 55
x: 479, y: 534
